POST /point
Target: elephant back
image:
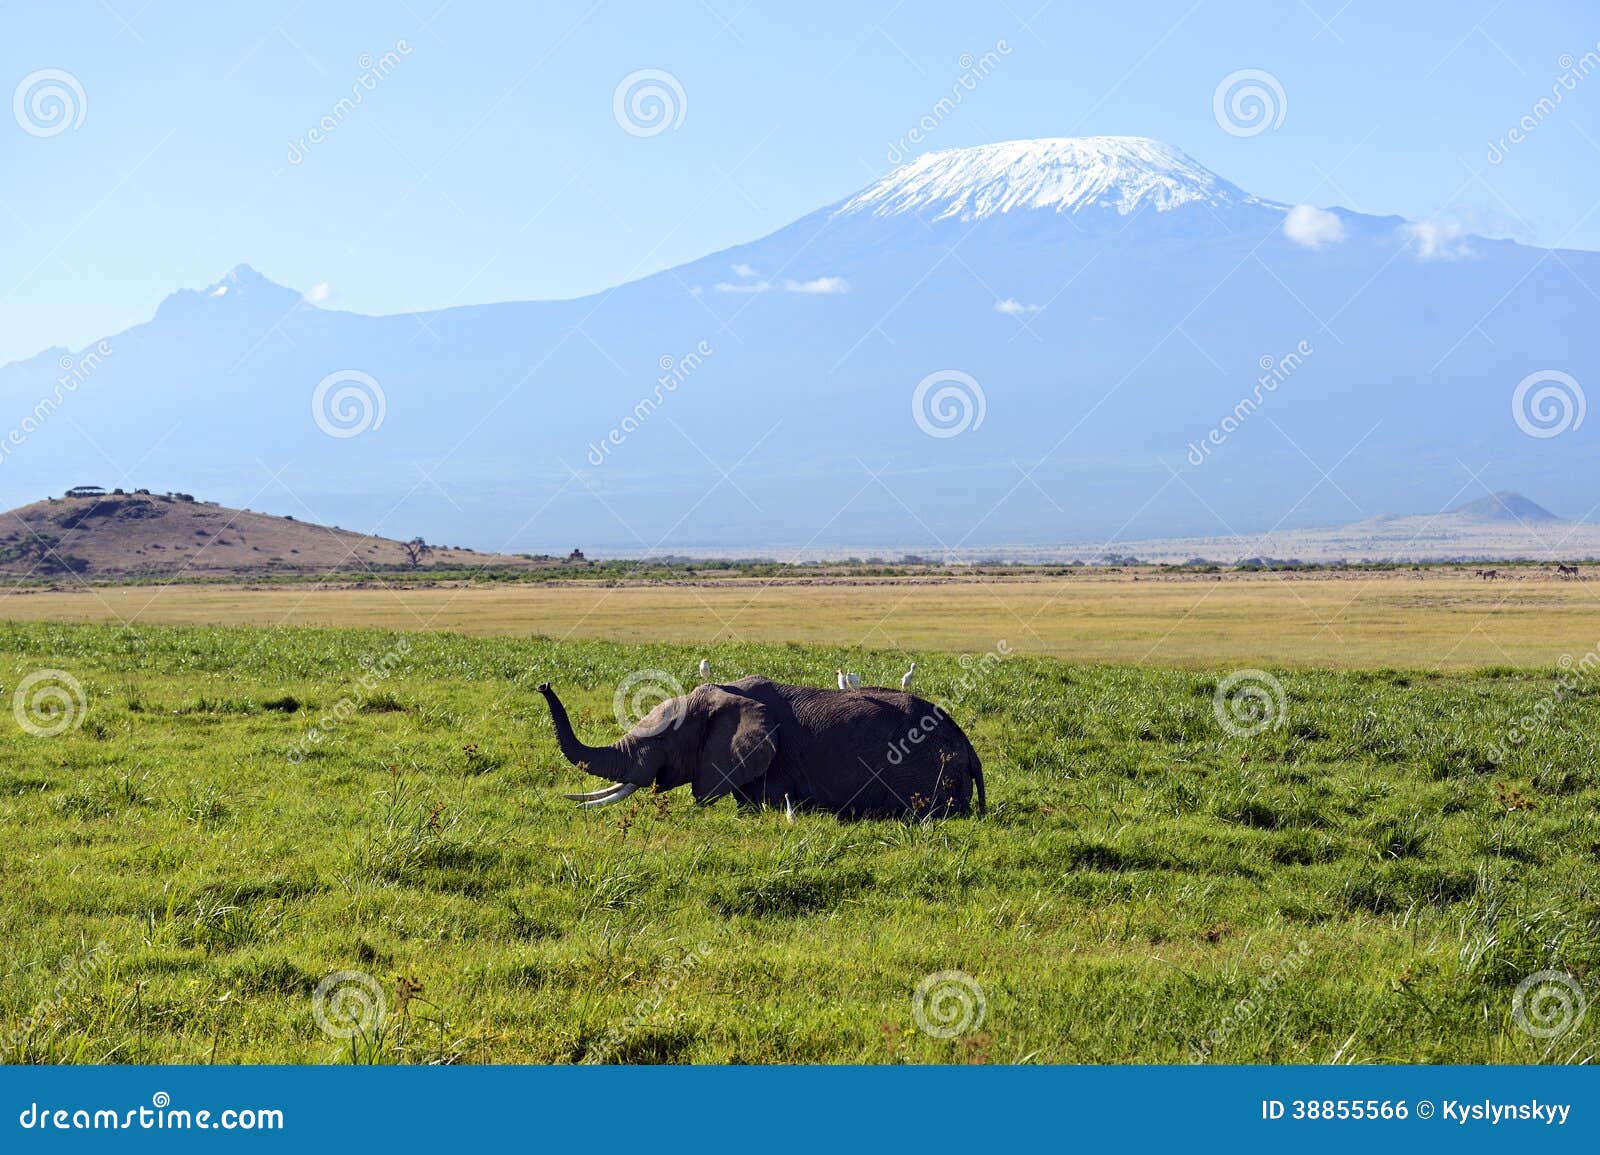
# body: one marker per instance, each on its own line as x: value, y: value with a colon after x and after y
x: 880, y: 752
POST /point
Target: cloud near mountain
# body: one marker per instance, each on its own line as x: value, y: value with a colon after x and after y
x: 1312, y: 227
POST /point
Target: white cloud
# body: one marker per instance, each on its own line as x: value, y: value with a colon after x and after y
x: 819, y: 285
x: 1437, y: 240
x: 743, y: 271
x: 1313, y: 227
x: 319, y: 292
x: 1012, y: 307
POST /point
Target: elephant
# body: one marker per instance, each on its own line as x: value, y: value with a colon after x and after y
x: 870, y: 753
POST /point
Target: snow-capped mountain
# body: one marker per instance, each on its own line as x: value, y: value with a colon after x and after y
x: 1062, y: 174
x: 1039, y: 341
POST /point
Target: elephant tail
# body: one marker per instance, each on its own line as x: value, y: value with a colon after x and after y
x: 975, y: 767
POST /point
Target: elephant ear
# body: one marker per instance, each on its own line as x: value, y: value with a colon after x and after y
x: 739, y: 745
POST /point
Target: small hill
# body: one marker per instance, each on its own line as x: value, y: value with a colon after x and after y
x: 145, y: 534
x: 1511, y: 507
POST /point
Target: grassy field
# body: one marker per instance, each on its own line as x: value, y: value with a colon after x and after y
x: 1440, y: 619
x: 1361, y: 881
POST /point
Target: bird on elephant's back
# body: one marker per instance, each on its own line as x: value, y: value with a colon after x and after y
x: 861, y: 753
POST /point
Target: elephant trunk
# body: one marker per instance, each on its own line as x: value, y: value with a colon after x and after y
x: 602, y: 761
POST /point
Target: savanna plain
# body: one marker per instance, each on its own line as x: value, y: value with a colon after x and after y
x: 1365, y: 868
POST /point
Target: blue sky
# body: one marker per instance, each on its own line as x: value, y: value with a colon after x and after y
x: 487, y: 164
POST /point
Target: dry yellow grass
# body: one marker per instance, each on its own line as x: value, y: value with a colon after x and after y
x: 1352, y: 620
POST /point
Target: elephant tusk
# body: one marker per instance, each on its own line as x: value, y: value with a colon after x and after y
x: 616, y: 795
x: 594, y: 794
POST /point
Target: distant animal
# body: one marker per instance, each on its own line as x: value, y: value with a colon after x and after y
x: 852, y: 680
x: 1567, y: 571
x: 878, y: 753
x: 905, y: 678
x: 705, y: 669
x: 1488, y: 575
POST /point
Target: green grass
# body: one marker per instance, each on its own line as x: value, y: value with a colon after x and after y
x: 173, y: 886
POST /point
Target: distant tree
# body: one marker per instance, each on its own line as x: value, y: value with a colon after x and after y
x: 416, y: 549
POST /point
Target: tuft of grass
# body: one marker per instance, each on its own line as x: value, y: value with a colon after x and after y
x: 411, y: 839
x: 201, y: 803
x: 106, y: 794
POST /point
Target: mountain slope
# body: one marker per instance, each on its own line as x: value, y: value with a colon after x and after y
x: 1117, y: 306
